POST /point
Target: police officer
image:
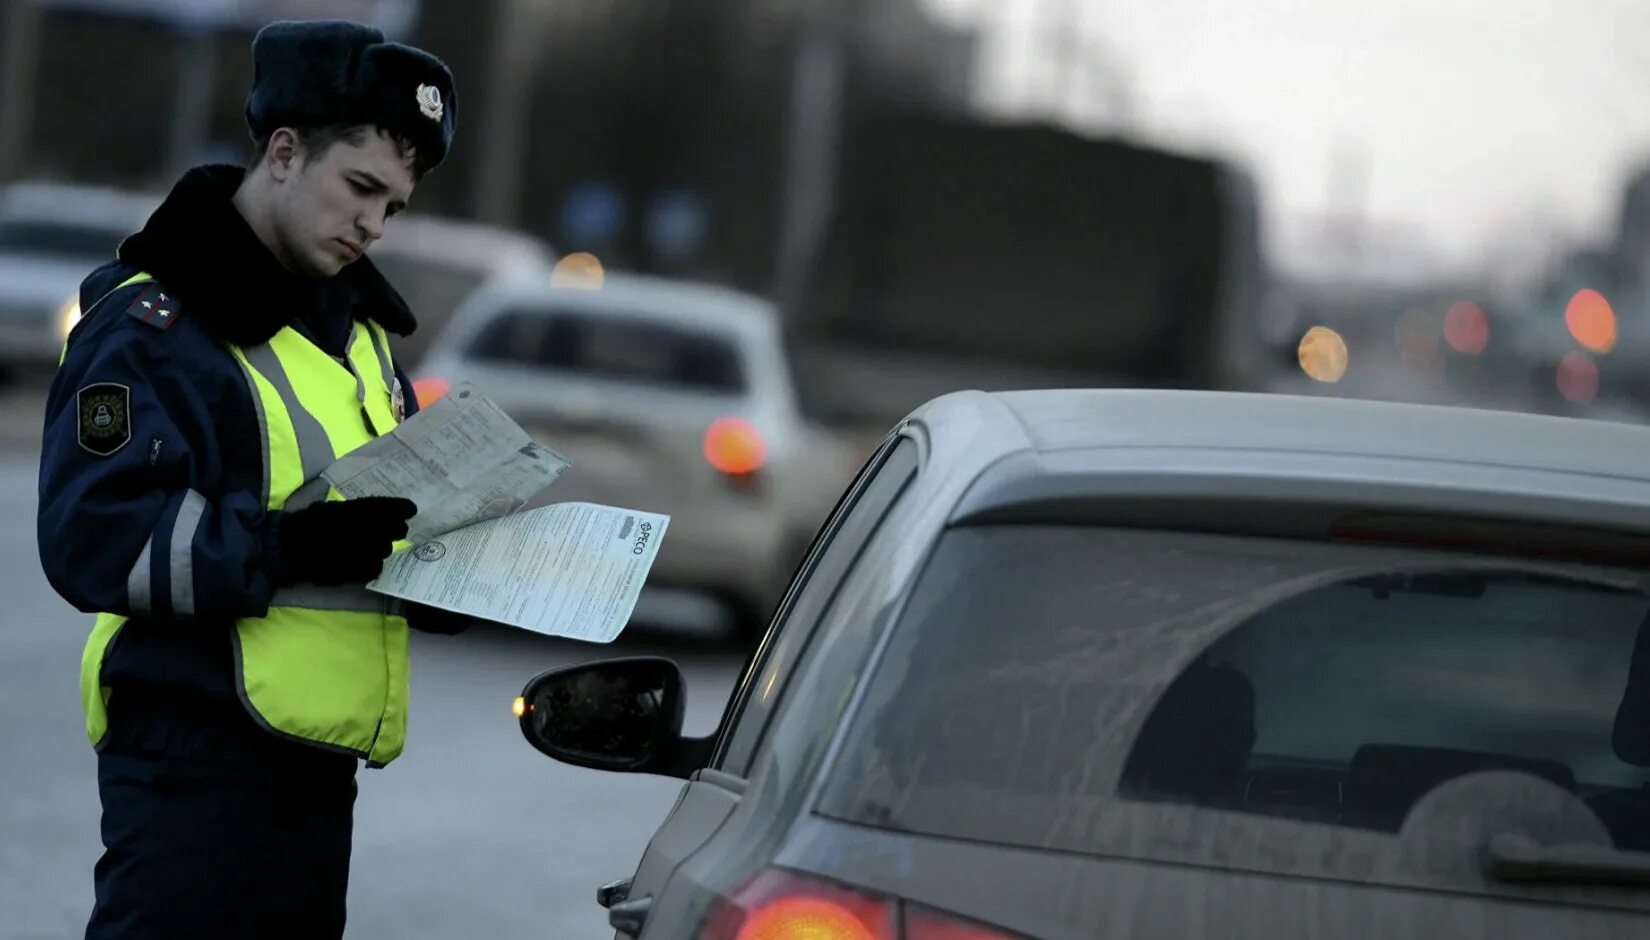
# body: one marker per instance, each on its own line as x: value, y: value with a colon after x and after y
x: 238, y: 669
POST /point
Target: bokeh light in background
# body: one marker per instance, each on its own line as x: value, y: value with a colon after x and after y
x: 1591, y: 321
x: 1467, y: 329
x: 735, y: 446
x: 1322, y: 354
x: 579, y: 270
x: 1578, y: 377
x: 1417, y: 336
x: 428, y: 389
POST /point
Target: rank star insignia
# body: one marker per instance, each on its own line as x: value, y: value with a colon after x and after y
x: 104, y: 417
x: 429, y: 102
x: 154, y: 308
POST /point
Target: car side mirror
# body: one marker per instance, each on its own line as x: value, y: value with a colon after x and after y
x: 622, y: 715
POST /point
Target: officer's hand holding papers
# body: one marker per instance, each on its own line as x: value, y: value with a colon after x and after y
x: 568, y: 569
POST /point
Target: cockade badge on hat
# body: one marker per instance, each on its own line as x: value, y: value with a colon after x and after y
x: 429, y: 101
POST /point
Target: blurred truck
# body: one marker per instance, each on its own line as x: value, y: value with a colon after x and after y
x: 960, y: 253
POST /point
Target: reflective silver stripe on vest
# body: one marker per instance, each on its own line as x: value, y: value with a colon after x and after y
x: 314, y: 447
x: 360, y: 383
x: 138, y: 599
x: 183, y: 553
x: 381, y: 344
x: 352, y: 599
x: 263, y: 426
x: 310, y: 493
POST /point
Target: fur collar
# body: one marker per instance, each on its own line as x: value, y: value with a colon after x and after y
x: 197, y: 245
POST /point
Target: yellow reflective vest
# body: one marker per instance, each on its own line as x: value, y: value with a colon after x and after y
x: 327, y: 666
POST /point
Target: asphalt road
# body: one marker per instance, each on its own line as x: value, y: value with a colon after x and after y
x: 471, y: 833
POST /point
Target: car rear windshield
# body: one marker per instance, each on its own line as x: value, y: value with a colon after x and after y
x: 19, y: 236
x: 625, y: 349
x: 1041, y: 675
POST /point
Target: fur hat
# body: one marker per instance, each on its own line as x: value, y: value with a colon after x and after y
x: 322, y: 72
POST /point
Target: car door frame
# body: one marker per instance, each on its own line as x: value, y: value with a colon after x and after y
x: 784, y: 648
x: 712, y: 793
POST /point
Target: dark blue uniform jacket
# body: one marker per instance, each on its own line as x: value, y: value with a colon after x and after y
x: 192, y: 430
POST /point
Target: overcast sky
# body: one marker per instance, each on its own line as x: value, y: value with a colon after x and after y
x: 1480, y: 121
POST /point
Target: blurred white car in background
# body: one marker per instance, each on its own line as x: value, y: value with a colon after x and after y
x: 51, y: 236
x: 436, y: 263
x: 669, y: 397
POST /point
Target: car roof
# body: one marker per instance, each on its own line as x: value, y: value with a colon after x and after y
x: 1041, y: 446
x: 1120, y: 418
x: 682, y: 302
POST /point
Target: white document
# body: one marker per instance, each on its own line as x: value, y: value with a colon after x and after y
x: 571, y: 569
x: 462, y: 460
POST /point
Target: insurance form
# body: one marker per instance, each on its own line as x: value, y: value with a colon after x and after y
x: 570, y: 569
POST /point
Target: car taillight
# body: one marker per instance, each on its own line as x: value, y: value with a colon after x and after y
x: 428, y: 390
x: 779, y: 905
x: 735, y: 447
x: 782, y: 905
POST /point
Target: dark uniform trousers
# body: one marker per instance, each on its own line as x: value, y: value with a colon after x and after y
x: 215, y: 828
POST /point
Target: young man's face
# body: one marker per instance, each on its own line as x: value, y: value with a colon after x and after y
x: 334, y: 206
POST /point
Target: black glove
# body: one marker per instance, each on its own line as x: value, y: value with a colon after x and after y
x: 427, y: 619
x: 334, y: 543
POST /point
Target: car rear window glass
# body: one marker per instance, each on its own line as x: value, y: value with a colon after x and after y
x: 1043, y: 676
x: 49, y: 238
x: 615, y: 348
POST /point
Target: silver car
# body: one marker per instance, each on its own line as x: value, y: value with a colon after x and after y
x: 51, y: 236
x: 1167, y: 665
x: 669, y: 397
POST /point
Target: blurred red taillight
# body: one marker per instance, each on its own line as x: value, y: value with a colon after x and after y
x: 734, y: 446
x: 428, y: 390
x: 782, y: 905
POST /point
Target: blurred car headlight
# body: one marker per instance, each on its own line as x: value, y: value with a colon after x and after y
x: 67, y: 316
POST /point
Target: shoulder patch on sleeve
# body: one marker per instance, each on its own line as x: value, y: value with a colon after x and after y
x: 104, y: 417
x: 154, y: 307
